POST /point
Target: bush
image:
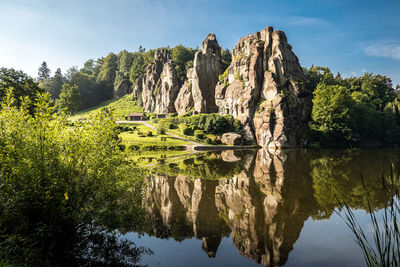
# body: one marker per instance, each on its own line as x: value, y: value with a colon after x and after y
x: 199, y: 134
x: 208, y: 141
x: 209, y: 123
x: 185, y: 129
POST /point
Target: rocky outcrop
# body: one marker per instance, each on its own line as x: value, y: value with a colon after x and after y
x: 199, y: 89
x: 125, y: 87
x: 231, y: 139
x: 184, y: 102
x: 159, y: 86
x: 264, y: 88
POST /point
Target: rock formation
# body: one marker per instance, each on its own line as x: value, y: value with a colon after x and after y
x: 264, y: 88
x: 125, y: 87
x: 159, y: 86
x: 199, y: 89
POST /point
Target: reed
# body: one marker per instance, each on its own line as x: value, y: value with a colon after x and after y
x: 383, y: 249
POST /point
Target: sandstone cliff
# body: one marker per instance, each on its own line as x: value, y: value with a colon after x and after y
x: 199, y: 89
x: 125, y: 87
x: 264, y: 88
x: 159, y: 86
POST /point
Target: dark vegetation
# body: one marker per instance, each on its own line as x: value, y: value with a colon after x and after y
x: 64, y: 190
x: 94, y: 83
x: 207, y: 127
x: 210, y: 167
x: 353, y: 111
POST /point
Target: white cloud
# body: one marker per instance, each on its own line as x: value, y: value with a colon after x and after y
x: 389, y: 50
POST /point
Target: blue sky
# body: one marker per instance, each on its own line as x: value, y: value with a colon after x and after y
x: 348, y: 36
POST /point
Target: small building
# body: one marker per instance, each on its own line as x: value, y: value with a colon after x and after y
x: 161, y: 116
x: 136, y: 117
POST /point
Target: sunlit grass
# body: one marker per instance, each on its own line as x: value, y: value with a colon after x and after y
x: 120, y: 108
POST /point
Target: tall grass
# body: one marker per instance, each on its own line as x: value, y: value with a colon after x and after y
x: 383, y: 249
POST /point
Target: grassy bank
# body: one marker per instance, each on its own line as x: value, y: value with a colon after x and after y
x: 120, y: 108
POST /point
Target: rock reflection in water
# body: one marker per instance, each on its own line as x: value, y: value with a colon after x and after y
x: 265, y: 202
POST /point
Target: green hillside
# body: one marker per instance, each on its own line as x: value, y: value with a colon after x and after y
x: 120, y: 108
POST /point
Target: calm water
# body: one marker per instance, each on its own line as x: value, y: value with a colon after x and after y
x: 261, y: 208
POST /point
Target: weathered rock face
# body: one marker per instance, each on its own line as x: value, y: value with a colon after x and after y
x: 159, y: 86
x: 184, y: 102
x: 199, y: 89
x: 125, y: 87
x: 231, y: 139
x: 264, y: 88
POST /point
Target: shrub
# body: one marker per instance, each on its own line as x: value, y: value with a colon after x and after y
x: 199, y: 134
x: 186, y: 130
x: 208, y: 141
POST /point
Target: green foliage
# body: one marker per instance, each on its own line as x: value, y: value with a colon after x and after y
x: 54, y: 84
x: 22, y: 84
x: 108, y: 70
x: 352, y: 111
x: 119, y: 108
x: 224, y: 75
x: 199, y: 134
x: 183, y: 58
x: 70, y: 99
x: 226, y: 57
x: 186, y: 130
x: 149, y: 133
x: 209, y: 123
x: 208, y: 167
x: 162, y: 126
x: 43, y: 72
x: 125, y: 61
x: 66, y: 187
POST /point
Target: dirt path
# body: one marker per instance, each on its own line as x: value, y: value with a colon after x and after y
x: 171, y: 135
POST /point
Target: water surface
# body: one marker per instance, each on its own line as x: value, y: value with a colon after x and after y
x: 252, y: 208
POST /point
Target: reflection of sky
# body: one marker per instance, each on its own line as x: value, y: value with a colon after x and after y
x: 346, y: 35
x: 326, y: 243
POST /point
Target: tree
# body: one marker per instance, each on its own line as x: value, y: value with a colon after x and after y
x: 183, y: 58
x: 226, y: 58
x: 108, y: 70
x: 125, y: 60
x: 44, y: 72
x: 70, y: 98
x: 139, y: 64
x: 22, y: 84
x: 333, y: 113
x: 53, y: 85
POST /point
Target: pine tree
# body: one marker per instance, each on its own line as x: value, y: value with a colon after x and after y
x: 44, y: 72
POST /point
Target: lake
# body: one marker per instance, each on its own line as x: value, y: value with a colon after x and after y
x: 252, y: 208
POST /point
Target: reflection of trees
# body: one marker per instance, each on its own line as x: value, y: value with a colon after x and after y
x: 76, y: 231
x: 337, y: 176
x: 211, y: 166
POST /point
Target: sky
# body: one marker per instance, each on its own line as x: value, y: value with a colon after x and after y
x: 350, y: 37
